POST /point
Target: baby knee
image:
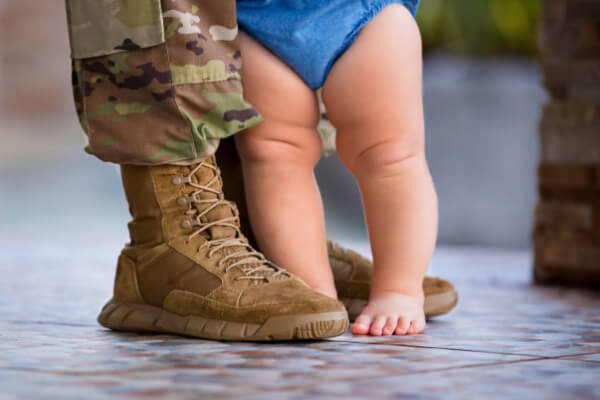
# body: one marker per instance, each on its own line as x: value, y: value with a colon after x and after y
x: 383, y: 157
x: 259, y: 149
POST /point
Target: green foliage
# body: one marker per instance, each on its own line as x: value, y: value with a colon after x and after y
x: 480, y: 27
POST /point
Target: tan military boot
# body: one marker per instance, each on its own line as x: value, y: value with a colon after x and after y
x: 189, y: 270
x: 351, y: 271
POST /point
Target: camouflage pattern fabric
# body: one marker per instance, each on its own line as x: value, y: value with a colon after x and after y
x: 102, y: 27
x: 160, y: 82
x: 166, y: 103
x: 325, y: 127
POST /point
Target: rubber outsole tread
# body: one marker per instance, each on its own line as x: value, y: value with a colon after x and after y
x: 145, y: 318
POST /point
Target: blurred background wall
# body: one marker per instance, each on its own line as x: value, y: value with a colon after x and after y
x: 482, y: 97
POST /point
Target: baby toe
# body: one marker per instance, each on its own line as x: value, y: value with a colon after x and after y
x: 402, y: 326
x: 390, y: 325
x: 420, y: 325
x: 361, y: 325
x: 377, y: 325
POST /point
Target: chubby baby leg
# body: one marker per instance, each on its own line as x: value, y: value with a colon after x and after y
x: 278, y: 157
x: 373, y: 96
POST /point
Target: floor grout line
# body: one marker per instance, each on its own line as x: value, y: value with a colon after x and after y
x: 444, y: 348
x: 587, y: 361
x: 477, y: 365
x: 468, y: 366
x: 475, y: 351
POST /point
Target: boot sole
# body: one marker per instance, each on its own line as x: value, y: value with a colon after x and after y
x: 435, y: 305
x: 131, y: 317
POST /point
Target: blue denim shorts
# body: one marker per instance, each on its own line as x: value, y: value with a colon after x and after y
x: 309, y: 35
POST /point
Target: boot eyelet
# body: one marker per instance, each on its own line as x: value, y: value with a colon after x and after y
x: 176, y: 180
x: 182, y: 201
x: 186, y: 224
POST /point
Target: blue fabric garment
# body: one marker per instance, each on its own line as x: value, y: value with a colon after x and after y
x: 309, y: 35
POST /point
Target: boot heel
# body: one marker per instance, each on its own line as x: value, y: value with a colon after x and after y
x: 129, y: 317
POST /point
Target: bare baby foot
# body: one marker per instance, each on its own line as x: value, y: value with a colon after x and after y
x: 390, y: 313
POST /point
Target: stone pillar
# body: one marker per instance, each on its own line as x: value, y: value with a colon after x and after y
x: 567, y: 217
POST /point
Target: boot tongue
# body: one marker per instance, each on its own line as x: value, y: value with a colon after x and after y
x: 202, y: 177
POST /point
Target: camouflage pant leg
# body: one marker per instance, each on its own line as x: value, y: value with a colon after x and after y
x: 157, y: 82
x: 325, y: 127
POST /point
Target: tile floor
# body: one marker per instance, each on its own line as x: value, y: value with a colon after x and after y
x: 62, y: 223
x: 506, y: 339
